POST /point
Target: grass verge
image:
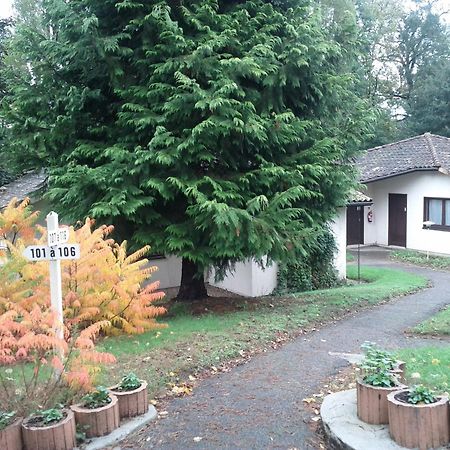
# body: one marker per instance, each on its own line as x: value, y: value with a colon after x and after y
x: 429, y: 366
x: 438, y: 325
x: 170, y: 357
x: 420, y: 259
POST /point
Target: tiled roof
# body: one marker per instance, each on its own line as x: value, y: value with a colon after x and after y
x: 359, y: 197
x: 22, y: 187
x: 424, y: 152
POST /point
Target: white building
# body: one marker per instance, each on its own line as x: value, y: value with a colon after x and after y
x: 409, y: 183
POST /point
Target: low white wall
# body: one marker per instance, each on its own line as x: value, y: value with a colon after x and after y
x: 339, y: 229
x: 169, y: 271
x: 248, y: 279
x: 416, y: 186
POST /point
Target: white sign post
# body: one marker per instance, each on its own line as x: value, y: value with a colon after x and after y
x: 55, y: 274
x: 54, y: 252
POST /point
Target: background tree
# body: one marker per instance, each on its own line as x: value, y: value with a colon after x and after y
x: 428, y: 108
x: 5, y: 33
x: 214, y: 130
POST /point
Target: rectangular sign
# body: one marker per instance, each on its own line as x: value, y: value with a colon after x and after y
x: 59, y: 236
x: 45, y: 253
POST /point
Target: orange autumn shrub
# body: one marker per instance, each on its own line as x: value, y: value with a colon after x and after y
x: 29, y: 345
x: 104, y: 293
x: 105, y: 284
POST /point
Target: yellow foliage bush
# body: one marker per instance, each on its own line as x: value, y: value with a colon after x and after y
x: 105, y: 284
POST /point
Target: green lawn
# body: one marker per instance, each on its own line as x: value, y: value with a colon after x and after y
x: 436, y: 325
x: 432, y: 364
x: 420, y: 259
x: 193, y: 342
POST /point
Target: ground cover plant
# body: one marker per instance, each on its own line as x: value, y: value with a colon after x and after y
x: 429, y: 366
x: 208, y: 335
x: 420, y: 259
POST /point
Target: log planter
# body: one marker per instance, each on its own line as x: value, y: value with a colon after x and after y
x: 372, y: 405
x: 57, y: 436
x: 423, y: 425
x: 11, y: 436
x: 131, y: 403
x: 399, y: 371
x: 98, y: 421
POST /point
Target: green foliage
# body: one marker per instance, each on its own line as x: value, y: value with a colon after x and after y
x: 97, y: 398
x: 421, y: 394
x: 211, y: 130
x: 51, y: 415
x: 378, y: 378
x: 376, y: 358
x: 129, y: 382
x: 314, y: 270
x: 377, y: 365
x: 6, y: 418
x: 428, y: 109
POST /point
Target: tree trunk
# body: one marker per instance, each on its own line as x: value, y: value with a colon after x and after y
x: 192, y: 282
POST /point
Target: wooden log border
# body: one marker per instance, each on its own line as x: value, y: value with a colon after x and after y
x: 98, y: 421
x: 372, y: 405
x: 132, y: 403
x: 60, y: 436
x: 423, y: 426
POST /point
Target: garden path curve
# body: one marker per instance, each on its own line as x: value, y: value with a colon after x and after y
x: 259, y: 405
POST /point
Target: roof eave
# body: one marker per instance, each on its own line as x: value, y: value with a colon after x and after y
x: 405, y: 172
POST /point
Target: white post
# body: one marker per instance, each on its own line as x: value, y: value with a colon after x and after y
x: 55, y: 279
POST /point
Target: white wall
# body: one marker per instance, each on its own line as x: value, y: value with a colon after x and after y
x: 169, y: 271
x: 416, y: 186
x: 339, y: 229
x: 249, y: 279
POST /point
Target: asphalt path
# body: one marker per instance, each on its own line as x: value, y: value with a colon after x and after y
x: 259, y: 405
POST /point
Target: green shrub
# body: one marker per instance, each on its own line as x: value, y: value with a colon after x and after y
x: 312, y: 271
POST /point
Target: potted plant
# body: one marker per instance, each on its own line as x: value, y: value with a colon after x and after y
x: 132, y: 395
x: 418, y: 418
x: 378, y: 357
x: 371, y: 395
x: 10, y: 432
x: 98, y: 412
x: 51, y: 429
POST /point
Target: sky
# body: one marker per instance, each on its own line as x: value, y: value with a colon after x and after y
x: 5, y: 8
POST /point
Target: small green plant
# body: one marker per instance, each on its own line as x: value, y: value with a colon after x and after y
x: 129, y: 382
x: 380, y: 379
x: 421, y: 394
x: 97, y: 398
x: 51, y: 415
x: 80, y: 433
x: 377, y: 358
x: 6, y: 418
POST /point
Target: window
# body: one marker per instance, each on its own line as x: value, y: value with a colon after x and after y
x: 437, y: 210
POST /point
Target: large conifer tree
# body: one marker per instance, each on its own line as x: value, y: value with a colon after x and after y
x: 213, y: 130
